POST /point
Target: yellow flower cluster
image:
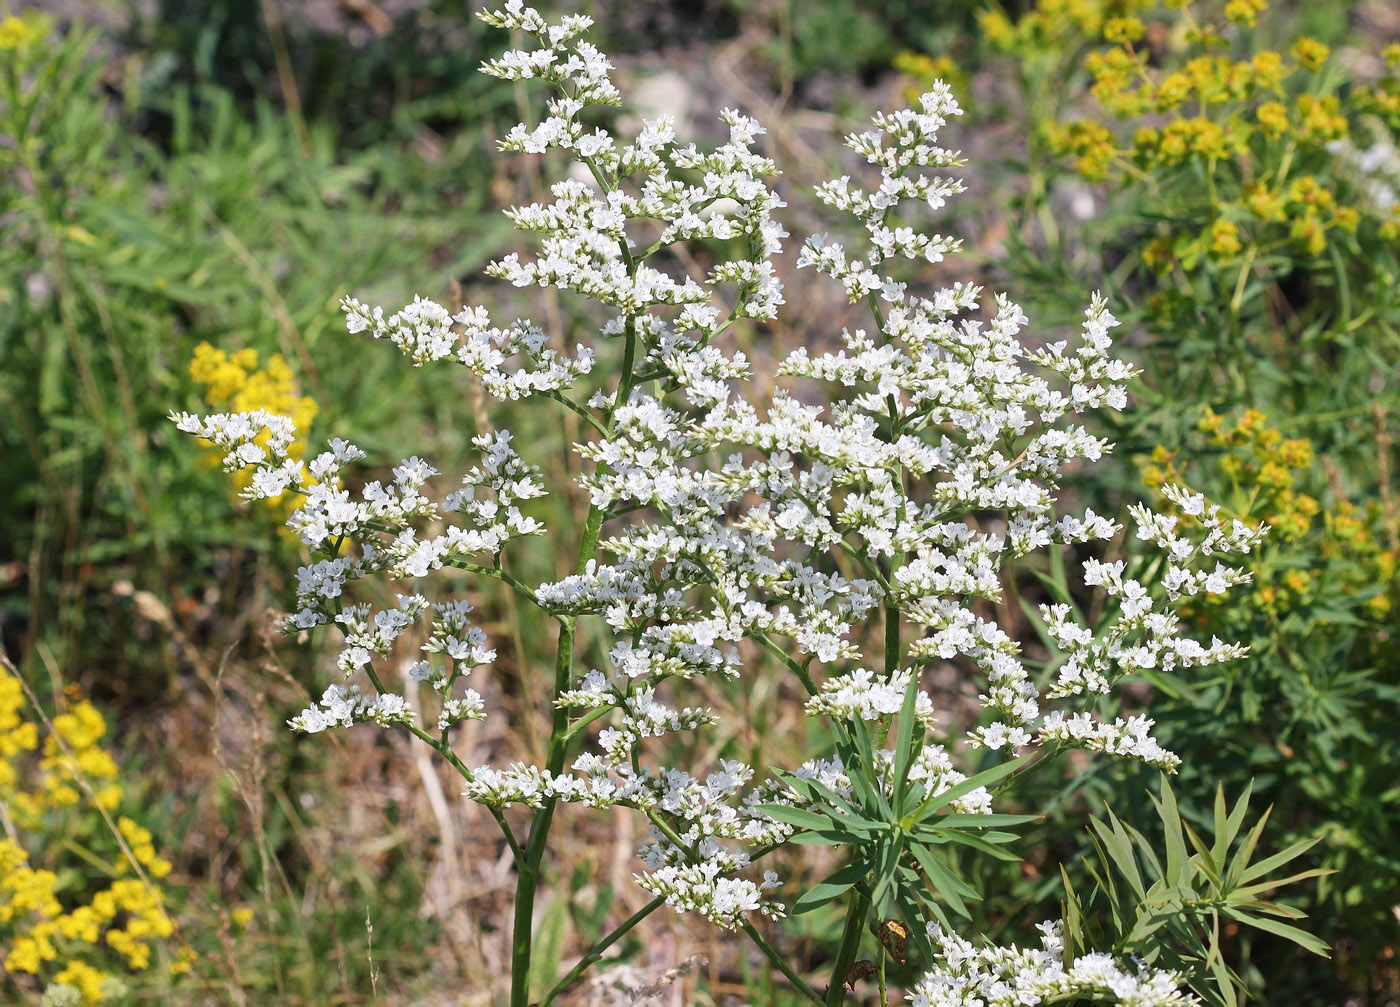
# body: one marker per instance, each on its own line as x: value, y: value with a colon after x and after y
x: 924, y: 70
x: 1258, y: 474
x: 50, y: 928
x: 71, y: 753
x: 18, y: 34
x: 236, y: 383
x: 1383, y: 100
x: 1054, y: 25
x: 1253, y: 128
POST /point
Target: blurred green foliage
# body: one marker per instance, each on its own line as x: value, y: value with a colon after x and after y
x: 121, y: 253
x: 349, y: 68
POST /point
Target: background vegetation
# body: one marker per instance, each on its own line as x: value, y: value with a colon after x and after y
x: 185, y: 193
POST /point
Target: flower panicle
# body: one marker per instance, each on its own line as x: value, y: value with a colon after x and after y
x: 940, y: 407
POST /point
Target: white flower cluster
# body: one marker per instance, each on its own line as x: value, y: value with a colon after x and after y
x: 970, y: 976
x: 256, y: 439
x: 423, y: 331
x: 782, y: 527
x: 344, y: 707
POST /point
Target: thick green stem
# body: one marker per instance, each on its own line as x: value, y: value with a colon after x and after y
x: 849, y: 948
x: 522, y: 932
x: 892, y: 654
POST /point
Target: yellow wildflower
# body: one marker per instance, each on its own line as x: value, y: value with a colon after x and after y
x: 1320, y: 119
x: 1273, y: 119
x: 236, y: 382
x: 87, y: 980
x: 1157, y: 255
x: 1224, y: 239
x: 1310, y: 52
x: 1268, y: 69
x: 1123, y: 29
x: 19, y: 33
x: 66, y: 939
x: 997, y: 29
x: 1245, y: 12
x: 1091, y: 142
x: 1264, y: 202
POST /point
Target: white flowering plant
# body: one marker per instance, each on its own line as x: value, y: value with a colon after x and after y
x: 853, y: 546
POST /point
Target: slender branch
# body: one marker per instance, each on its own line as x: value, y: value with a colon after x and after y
x: 570, y: 404
x: 748, y: 928
x: 796, y: 667
x: 522, y: 931
x: 865, y: 562
x: 496, y: 572
x: 585, y: 720
x: 595, y: 953
x: 445, y: 750
x: 782, y: 965
x: 523, y: 927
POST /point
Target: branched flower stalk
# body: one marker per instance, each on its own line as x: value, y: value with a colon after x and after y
x: 721, y: 530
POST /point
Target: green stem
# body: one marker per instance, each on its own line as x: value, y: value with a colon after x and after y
x: 522, y: 932
x: 892, y: 654
x: 804, y: 987
x: 595, y: 953
x: 496, y: 573
x: 762, y: 944
x: 867, y: 564
x: 446, y: 752
x: 793, y: 665
x: 849, y: 948
x: 587, y: 719
x: 573, y: 406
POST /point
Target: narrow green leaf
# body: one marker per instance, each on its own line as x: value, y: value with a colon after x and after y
x: 904, y: 742
x: 1218, y: 813
x: 832, y: 797
x: 1203, y: 859
x: 1170, y: 815
x: 1233, y: 824
x: 1147, y: 850
x: 1268, y: 864
x: 833, y: 886
x: 795, y: 816
x: 856, y: 823
x: 1225, y: 980
x: 824, y: 837
x: 1268, y: 908
x: 982, y: 779
x: 873, y: 797
x: 951, y: 888
x: 981, y: 845
x: 1265, y: 886
x: 1120, y: 852
x: 1147, y: 924
x: 1241, y: 858
x: 1305, y: 940
x: 1070, y: 912
x: 890, y: 854
x: 956, y: 820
